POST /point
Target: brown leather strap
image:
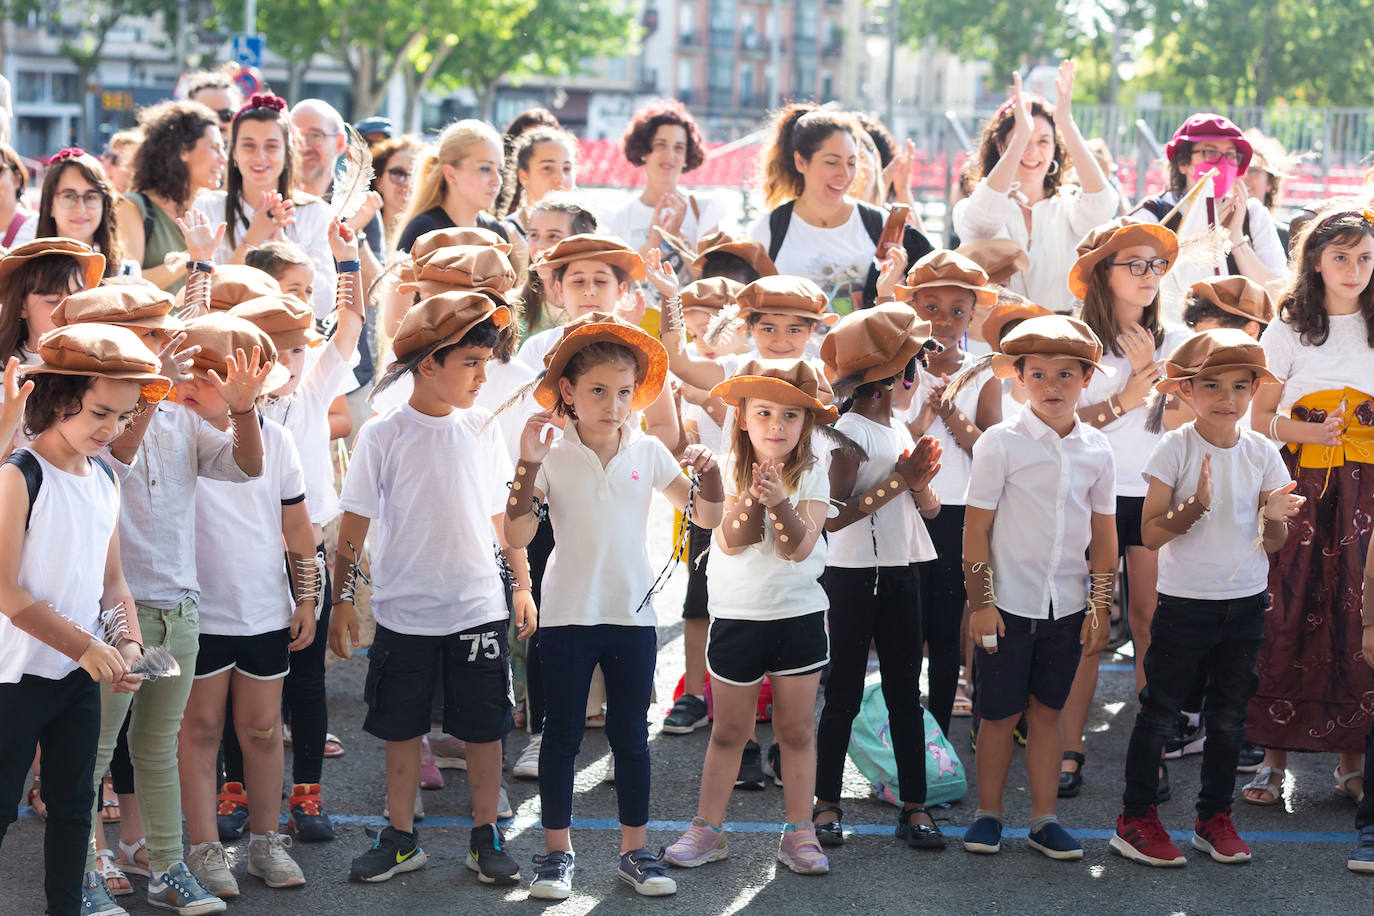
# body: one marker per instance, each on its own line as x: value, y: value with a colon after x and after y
x: 978, y: 585
x: 874, y: 498
x: 743, y: 523
x: 711, y: 489
x: 1182, y: 516
x: 789, y: 529
x: 521, y: 502
x: 50, y: 626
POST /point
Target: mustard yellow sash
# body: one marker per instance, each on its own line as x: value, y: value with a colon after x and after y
x: 1357, y: 437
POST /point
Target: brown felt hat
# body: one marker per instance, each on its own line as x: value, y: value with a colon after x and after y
x: 1109, y: 238
x: 1002, y: 315
x: 232, y: 284
x: 600, y: 327
x: 873, y: 343
x: 591, y: 247
x: 999, y: 258
x: 92, y: 262
x: 457, y: 235
x: 1214, y: 351
x: 784, y: 295
x: 444, y: 319
x: 741, y: 246
x: 947, y: 268
x: 128, y: 305
x: 288, y: 321
x: 713, y: 293
x: 1050, y: 336
x: 220, y: 334
x: 793, y: 382
x: 1237, y: 295
x: 478, y: 268
x: 104, y: 351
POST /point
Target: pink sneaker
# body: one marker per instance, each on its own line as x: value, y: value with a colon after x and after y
x: 430, y: 777
x: 701, y: 843
x: 450, y: 753
x: 800, y: 851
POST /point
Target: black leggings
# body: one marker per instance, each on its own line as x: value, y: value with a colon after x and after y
x: 891, y: 619
x: 538, y: 553
x: 942, y: 609
x: 64, y: 718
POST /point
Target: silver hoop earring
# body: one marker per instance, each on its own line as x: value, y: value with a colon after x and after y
x: 1054, y: 167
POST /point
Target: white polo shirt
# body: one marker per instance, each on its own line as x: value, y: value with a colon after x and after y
x: 599, y: 570
x: 1044, y: 489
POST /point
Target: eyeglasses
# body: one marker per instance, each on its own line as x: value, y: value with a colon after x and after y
x: 398, y: 175
x: 316, y: 137
x: 1138, y: 266
x: 225, y: 115
x: 1212, y: 156
x: 70, y: 200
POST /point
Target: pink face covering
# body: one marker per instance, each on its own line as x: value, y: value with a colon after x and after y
x: 1227, y: 172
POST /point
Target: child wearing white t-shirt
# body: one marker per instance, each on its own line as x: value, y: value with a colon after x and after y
x: 598, y: 478
x: 1208, y: 481
x: 768, y: 608
x: 872, y: 577
x: 432, y: 473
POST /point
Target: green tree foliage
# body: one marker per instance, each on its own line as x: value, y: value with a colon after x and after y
x: 1008, y: 33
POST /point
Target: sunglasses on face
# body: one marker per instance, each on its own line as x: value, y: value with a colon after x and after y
x: 1139, y: 266
x: 225, y: 115
x: 398, y: 175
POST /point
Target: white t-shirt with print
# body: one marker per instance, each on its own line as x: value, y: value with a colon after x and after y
x: 431, y: 485
x: 240, y: 560
x: 835, y: 259
x: 1220, y: 557
x: 896, y: 534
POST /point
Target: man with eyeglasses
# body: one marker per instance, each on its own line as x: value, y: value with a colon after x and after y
x: 217, y: 92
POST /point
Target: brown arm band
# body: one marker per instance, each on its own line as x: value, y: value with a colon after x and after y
x: 1182, y: 516
x: 961, y: 427
x: 1103, y: 413
x: 788, y: 527
x: 521, y: 502
x: 1274, y: 528
x: 711, y: 489
x: 50, y: 626
x: 743, y: 523
x: 1367, y: 607
x: 1101, y: 586
x: 978, y: 585
x: 873, y: 499
x: 307, y: 578
x: 347, y: 573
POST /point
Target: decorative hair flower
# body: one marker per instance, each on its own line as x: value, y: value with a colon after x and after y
x: 263, y: 100
x: 70, y: 152
x: 1368, y: 214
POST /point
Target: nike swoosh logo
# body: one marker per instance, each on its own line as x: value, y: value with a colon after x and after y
x: 401, y: 857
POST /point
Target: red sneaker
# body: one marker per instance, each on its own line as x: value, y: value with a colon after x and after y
x: 1217, y: 837
x: 1144, y: 839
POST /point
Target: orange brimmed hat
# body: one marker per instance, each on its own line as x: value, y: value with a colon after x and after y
x: 1237, y: 295
x: 1109, y: 238
x: 92, y: 262
x: 590, y: 247
x: 1002, y: 315
x: 103, y: 351
x: 600, y: 327
x: 1052, y: 337
x: 874, y: 343
x: 1214, y: 351
x: 288, y: 321
x: 785, y: 295
x: 748, y: 250
x: 130, y: 305
x: 947, y: 268
x: 444, y: 319
x: 794, y: 383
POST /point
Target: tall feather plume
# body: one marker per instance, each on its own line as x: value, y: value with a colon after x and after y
x: 840, y: 442
x: 518, y: 395
x: 843, y: 388
x: 1206, y: 249
x: 966, y: 377
x: 352, y: 185
x: 724, y: 326
x: 1155, y: 404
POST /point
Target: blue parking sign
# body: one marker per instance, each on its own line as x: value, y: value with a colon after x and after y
x: 247, y: 50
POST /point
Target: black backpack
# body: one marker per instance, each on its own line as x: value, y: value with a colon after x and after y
x: 33, y: 475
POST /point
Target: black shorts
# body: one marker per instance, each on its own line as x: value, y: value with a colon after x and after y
x: 741, y: 652
x: 1034, y: 658
x: 698, y: 545
x: 473, y: 667
x: 1129, y: 512
x: 264, y: 657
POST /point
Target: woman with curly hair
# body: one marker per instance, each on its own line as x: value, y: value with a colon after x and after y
x: 78, y: 202
x: 182, y: 154
x: 664, y: 138
x: 1019, y: 192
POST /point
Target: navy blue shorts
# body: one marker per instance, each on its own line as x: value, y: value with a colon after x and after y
x: 1034, y: 658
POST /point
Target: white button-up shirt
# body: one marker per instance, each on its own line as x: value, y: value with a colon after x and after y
x: 1045, y: 490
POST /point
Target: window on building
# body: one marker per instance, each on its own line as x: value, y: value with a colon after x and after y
x: 808, y: 20
x: 66, y: 87
x: 31, y: 86
x: 686, y: 21
x: 746, y: 87
x: 684, y: 76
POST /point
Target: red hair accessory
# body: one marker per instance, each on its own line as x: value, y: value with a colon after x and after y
x: 70, y: 152
x: 265, y: 100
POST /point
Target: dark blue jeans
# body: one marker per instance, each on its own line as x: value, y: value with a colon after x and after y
x: 569, y: 655
x: 1364, y: 815
x: 1222, y: 639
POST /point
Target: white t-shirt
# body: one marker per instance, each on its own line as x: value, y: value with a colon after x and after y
x: 244, y: 588
x: 633, y: 221
x: 502, y: 381
x: 1344, y: 360
x: 835, y: 259
x: 63, y: 562
x: 1057, y: 225
x: 534, y: 348
x: 1220, y: 557
x: 600, y: 570
x: 896, y: 534
x: 433, y: 485
x: 951, y: 483
x: 1044, y: 489
x: 1131, y: 441
x: 305, y: 414
x: 310, y: 231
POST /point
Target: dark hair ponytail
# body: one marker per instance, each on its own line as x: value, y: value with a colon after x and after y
x: 798, y: 128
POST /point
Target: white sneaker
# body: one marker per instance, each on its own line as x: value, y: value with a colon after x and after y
x: 609, y: 775
x: 269, y: 860
x: 552, y: 876
x: 527, y: 764
x: 211, y: 868
x: 503, y: 808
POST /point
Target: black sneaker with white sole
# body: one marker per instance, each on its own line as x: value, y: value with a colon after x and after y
x: 775, y: 763
x: 1187, y: 741
x: 687, y: 715
x: 392, y: 853
x: 1251, y: 757
x: 488, y: 857
x: 751, y: 768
